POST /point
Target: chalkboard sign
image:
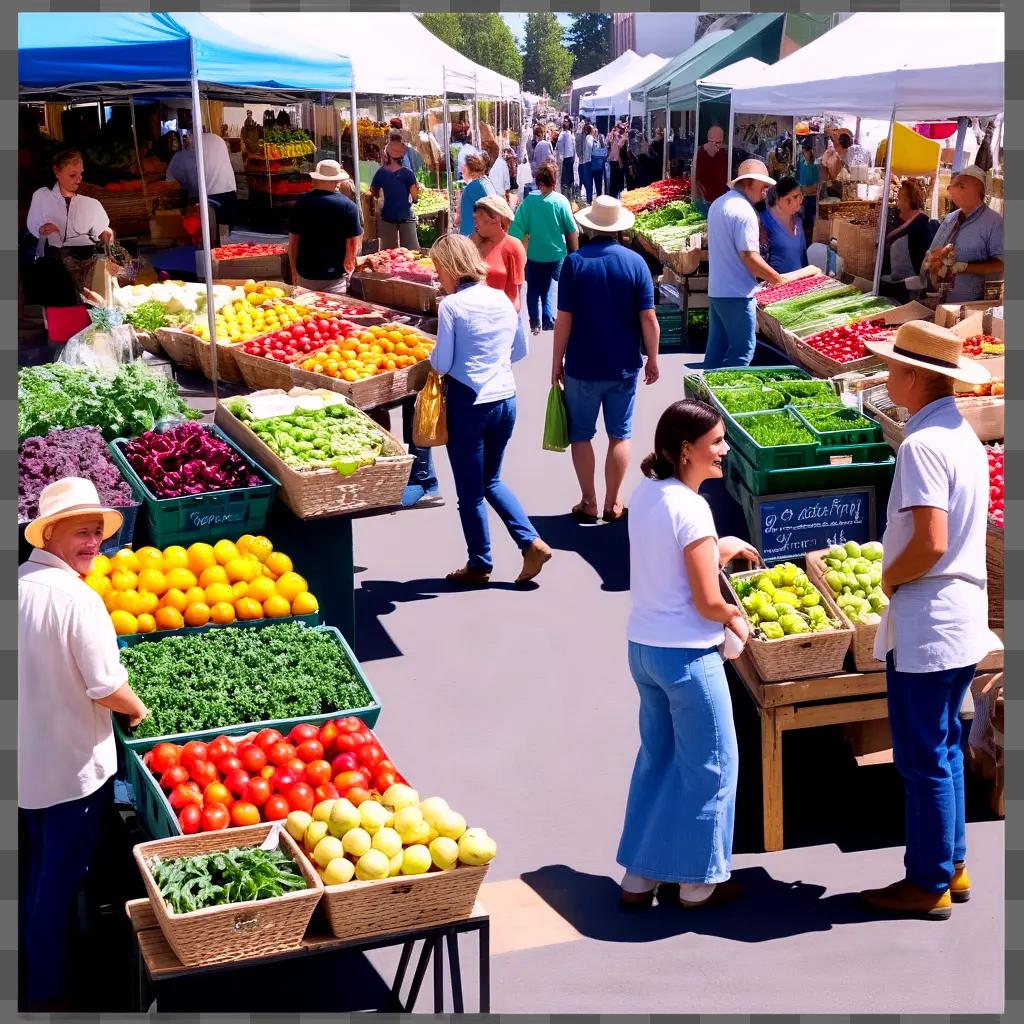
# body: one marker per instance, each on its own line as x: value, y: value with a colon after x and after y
x: 789, y: 525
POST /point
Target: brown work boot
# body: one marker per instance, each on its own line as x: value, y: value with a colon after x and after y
x: 534, y: 558
x: 467, y: 577
x: 960, y: 884
x: 909, y: 900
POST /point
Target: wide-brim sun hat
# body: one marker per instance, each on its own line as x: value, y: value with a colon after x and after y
x: 605, y: 214
x: 71, y: 496
x: 496, y: 204
x: 932, y: 348
x: 752, y: 170
x: 329, y: 170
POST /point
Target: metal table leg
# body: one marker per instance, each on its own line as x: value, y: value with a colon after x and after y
x: 485, y: 967
x: 455, y: 970
x: 438, y: 942
x: 417, y: 978
x: 403, y: 966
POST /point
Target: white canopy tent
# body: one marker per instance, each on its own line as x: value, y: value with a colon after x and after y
x: 597, y: 78
x: 613, y: 96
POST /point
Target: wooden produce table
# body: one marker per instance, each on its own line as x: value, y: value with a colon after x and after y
x: 805, y: 704
x: 156, y: 962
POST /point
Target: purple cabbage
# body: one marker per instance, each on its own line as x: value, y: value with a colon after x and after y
x: 80, y: 451
x: 187, y: 460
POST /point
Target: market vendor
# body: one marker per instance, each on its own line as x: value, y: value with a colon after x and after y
x: 852, y: 154
x: 935, y: 630
x: 970, y: 238
x: 397, y: 222
x: 907, y: 240
x: 221, y: 187
x: 70, y: 678
x: 710, y: 170
x: 734, y: 265
x: 783, y: 243
x: 324, y: 233
x: 182, y: 168
x: 808, y: 176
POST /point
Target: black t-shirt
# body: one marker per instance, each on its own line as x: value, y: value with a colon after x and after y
x: 324, y: 222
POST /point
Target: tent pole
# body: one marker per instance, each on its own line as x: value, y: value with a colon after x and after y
x: 961, y: 137
x: 337, y: 129
x: 355, y: 148
x: 883, y: 215
x: 732, y: 126
x: 696, y: 143
x: 204, y: 216
x: 668, y: 124
x: 446, y: 155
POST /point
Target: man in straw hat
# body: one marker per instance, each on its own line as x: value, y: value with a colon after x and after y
x: 605, y: 323
x: 735, y: 264
x: 935, y: 630
x: 324, y: 233
x: 69, y: 680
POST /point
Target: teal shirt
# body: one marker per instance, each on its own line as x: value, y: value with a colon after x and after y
x: 807, y: 174
x: 544, y: 220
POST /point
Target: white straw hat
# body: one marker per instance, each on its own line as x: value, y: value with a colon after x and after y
x: 605, y: 214
x: 329, y: 170
x: 72, y: 496
x: 755, y: 170
x: 931, y: 348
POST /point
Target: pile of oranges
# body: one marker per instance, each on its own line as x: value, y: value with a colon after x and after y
x: 375, y: 350
x: 149, y: 589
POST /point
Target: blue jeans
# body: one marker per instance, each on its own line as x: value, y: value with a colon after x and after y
x: 477, y: 436
x: 597, y: 176
x: 731, y: 326
x: 567, y: 179
x: 587, y: 181
x: 58, y: 845
x: 682, y: 797
x: 924, y: 716
x: 422, y: 471
x: 584, y: 399
x: 539, y: 278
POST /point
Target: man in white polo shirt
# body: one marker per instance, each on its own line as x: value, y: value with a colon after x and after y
x: 220, y: 177
x: 935, y: 629
x: 69, y: 680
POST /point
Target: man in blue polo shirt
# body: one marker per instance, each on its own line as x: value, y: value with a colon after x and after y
x: 734, y: 265
x: 605, y: 322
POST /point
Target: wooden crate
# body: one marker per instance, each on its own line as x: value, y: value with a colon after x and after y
x: 380, y: 389
x: 257, y: 268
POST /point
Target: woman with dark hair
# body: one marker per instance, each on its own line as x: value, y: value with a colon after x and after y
x: 911, y: 224
x: 682, y: 797
x: 783, y: 242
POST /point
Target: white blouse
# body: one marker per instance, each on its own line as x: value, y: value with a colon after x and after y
x: 81, y: 223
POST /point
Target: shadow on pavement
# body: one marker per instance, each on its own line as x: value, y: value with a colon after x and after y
x: 767, y: 909
x: 605, y: 547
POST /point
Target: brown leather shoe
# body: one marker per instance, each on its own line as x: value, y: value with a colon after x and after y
x: 467, y: 577
x: 908, y: 900
x: 724, y: 892
x: 534, y: 558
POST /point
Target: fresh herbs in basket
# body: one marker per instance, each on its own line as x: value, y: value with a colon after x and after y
x: 239, y: 875
x: 747, y: 378
x: 807, y: 392
x: 749, y: 399
x: 776, y: 430
x: 826, y: 420
x: 781, y: 602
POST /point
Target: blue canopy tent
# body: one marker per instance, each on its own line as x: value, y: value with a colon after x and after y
x: 72, y: 55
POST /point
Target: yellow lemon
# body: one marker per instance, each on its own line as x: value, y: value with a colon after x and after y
x: 290, y: 585
x: 225, y: 550
x: 175, y: 600
x: 276, y: 607
x: 101, y: 584
x: 215, y: 574
x: 304, y: 604
x: 148, y: 603
x: 239, y: 589
x: 200, y: 557
x: 124, y: 624
x: 246, y: 609
x: 175, y: 557
x: 243, y: 543
x: 125, y: 560
x: 150, y: 558
x: 278, y: 563
x: 261, y: 588
x: 181, y: 579
x: 153, y: 581
x: 145, y: 623
x: 222, y: 613
x: 101, y: 566
x: 130, y: 602
x: 123, y: 579
x: 260, y: 548
x: 242, y: 569
x: 219, y: 592
x: 197, y: 614
x: 194, y: 594
x: 169, y: 618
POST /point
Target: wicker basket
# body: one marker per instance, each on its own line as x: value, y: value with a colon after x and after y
x: 407, y: 903
x: 863, y: 644
x: 227, y: 364
x: 240, y: 930
x: 995, y: 564
x: 801, y: 656
x: 323, y: 492
x: 179, y: 347
x: 260, y: 373
x: 149, y: 342
x: 380, y: 389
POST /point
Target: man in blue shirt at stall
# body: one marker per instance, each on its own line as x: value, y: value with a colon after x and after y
x: 605, y: 322
x: 734, y: 265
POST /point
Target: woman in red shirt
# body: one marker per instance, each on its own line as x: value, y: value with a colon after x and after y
x: 505, y: 256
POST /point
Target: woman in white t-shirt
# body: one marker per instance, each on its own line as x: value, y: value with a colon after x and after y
x: 682, y: 798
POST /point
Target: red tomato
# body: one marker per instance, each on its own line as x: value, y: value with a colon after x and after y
x: 204, y: 772
x: 370, y: 755
x: 328, y: 734
x: 302, y: 732
x: 300, y: 797
x: 276, y: 808
x: 190, y: 818
x: 253, y: 759
x: 220, y: 747
x: 346, y: 780
x: 318, y: 773
x: 284, y: 778
x: 350, y: 724
x: 192, y: 751
x: 347, y: 741
x: 215, y: 817
x: 357, y: 794
x: 229, y: 764
x: 385, y: 779
x: 280, y: 753
x: 326, y: 792
x: 177, y: 775
x: 182, y: 795
x: 297, y: 765
x: 147, y: 758
x: 237, y: 782
x: 310, y: 750
x: 217, y: 793
x: 258, y: 792
x: 266, y: 738
x: 243, y: 813
x: 385, y: 765
x: 347, y: 762
x: 268, y: 772
x: 165, y: 755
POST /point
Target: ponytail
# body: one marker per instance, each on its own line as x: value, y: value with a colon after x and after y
x: 681, y: 422
x: 657, y: 467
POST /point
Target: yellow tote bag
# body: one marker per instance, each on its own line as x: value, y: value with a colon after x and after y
x: 430, y: 424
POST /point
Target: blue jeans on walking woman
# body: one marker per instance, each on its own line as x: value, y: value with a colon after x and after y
x: 682, y: 798
x: 924, y: 715
x: 539, y: 278
x: 477, y: 437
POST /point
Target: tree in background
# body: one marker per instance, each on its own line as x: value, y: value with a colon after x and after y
x: 483, y: 38
x: 547, y: 64
x: 590, y: 41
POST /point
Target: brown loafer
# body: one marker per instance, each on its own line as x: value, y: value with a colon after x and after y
x: 467, y: 577
x: 724, y: 892
x: 534, y: 558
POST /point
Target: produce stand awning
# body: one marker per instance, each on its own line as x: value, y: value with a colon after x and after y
x: 743, y: 73
x: 124, y: 54
x: 601, y: 75
x: 613, y: 96
x: 676, y: 82
x: 392, y: 54
x: 921, y: 65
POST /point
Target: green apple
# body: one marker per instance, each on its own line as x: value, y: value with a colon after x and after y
x: 340, y: 871
x: 388, y: 841
x: 416, y: 860
x: 444, y: 852
x: 398, y: 796
x: 322, y: 811
x: 432, y: 807
x: 296, y: 824
x: 476, y: 847
x: 356, y: 842
x: 372, y: 865
x: 329, y: 848
x: 344, y: 816
x: 450, y: 824
x: 315, y: 831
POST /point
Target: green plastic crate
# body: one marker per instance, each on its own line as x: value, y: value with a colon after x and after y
x: 862, y: 431
x: 790, y: 456
x: 872, y: 465
x: 720, y: 400
x: 203, y: 517
x: 312, y: 619
x: 760, y: 371
x: 369, y: 714
x: 792, y: 389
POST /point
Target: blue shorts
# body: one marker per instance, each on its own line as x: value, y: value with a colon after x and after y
x: 584, y: 399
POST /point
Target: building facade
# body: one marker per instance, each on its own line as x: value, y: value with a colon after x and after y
x: 664, y: 34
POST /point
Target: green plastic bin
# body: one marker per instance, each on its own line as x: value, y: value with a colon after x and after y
x: 862, y: 429
x: 721, y: 400
x: 822, y: 392
x: 312, y: 619
x: 203, y: 517
x: 369, y: 714
x: 790, y: 456
x: 765, y: 373
x: 872, y: 465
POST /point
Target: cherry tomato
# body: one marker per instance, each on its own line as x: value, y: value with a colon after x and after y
x: 266, y: 738
x: 182, y: 795
x: 347, y: 762
x: 192, y: 751
x: 268, y: 772
x: 190, y: 818
x: 217, y: 793
x: 285, y: 778
x: 357, y: 794
x: 384, y: 780
x: 276, y: 808
x: 253, y: 759
x: 300, y: 797
x: 229, y: 764
x: 215, y: 817
x: 218, y: 748
x: 258, y: 791
x: 176, y: 775
x: 237, y: 782
x: 318, y: 773
x: 203, y: 772
x: 370, y: 755
x: 165, y: 755
x: 349, y: 724
x: 326, y: 792
x: 347, y: 741
x: 310, y: 750
x: 328, y: 735
x: 302, y: 732
x: 346, y: 780
x: 244, y: 813
x: 280, y: 753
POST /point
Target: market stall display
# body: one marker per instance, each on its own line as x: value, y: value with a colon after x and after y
x: 398, y: 278
x: 244, y: 259
x: 658, y: 194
